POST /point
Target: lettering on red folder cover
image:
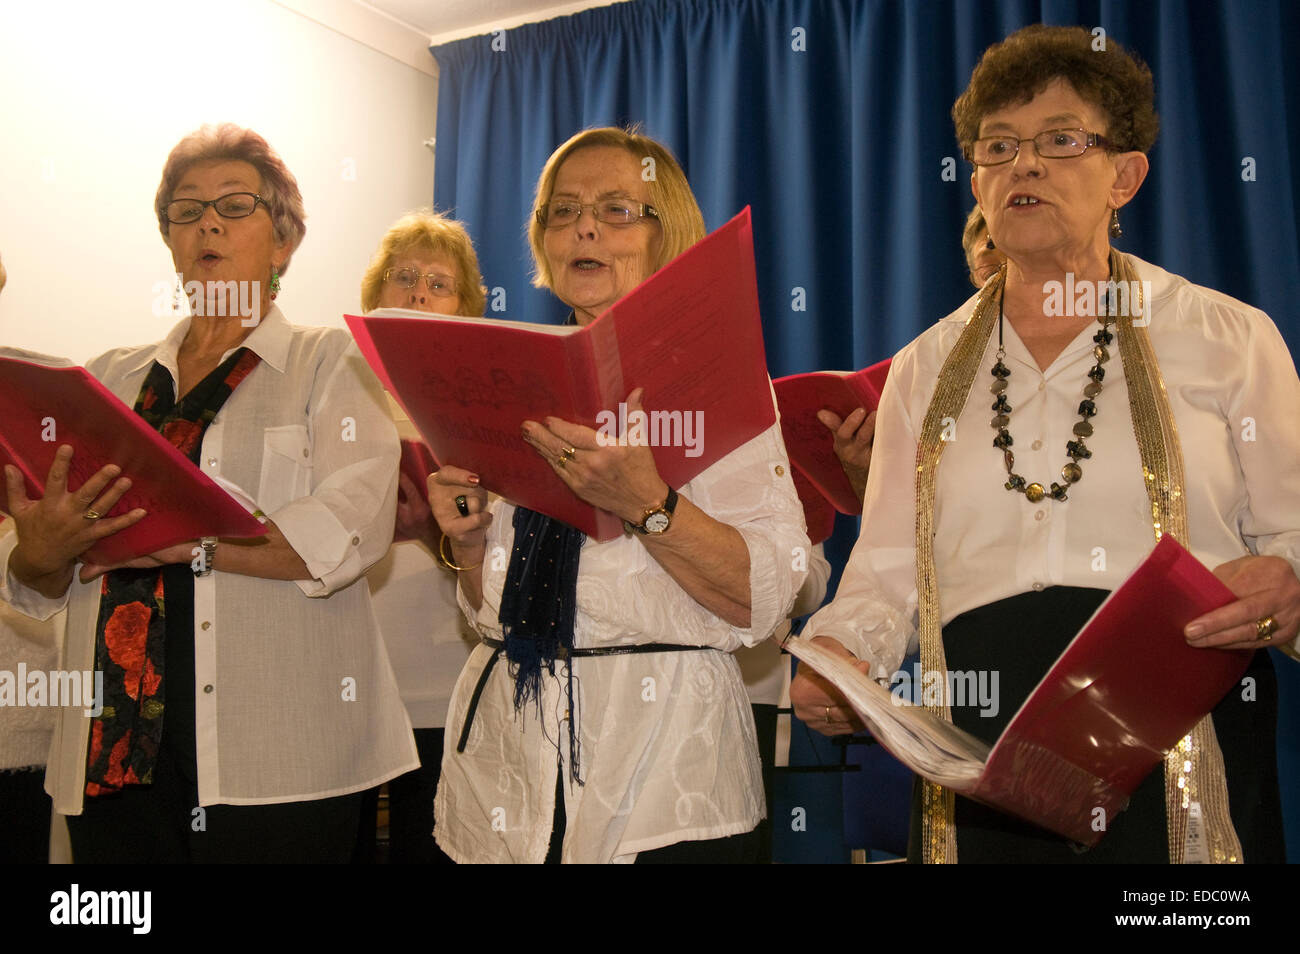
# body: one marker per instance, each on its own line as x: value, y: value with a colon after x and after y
x: 690, y: 335
x: 1123, y: 693
x: 37, y: 393
x: 808, y: 441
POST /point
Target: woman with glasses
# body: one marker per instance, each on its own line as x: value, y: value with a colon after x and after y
x: 1126, y: 411
x: 425, y: 262
x: 248, y: 700
x: 616, y: 727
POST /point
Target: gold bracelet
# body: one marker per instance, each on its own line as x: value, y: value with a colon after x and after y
x: 446, y: 561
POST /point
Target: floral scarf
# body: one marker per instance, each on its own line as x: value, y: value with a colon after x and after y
x: 131, y: 631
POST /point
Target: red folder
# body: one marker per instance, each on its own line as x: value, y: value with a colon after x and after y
x: 819, y: 515
x: 808, y: 441
x: 1124, y: 692
x: 67, y: 403
x: 690, y: 335
x: 417, y: 464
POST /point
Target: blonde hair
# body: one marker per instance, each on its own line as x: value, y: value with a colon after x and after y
x: 428, y: 231
x: 680, y: 218
x: 279, y: 189
x: 975, y: 226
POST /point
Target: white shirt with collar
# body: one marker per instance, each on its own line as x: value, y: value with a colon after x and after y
x: 668, y: 751
x: 294, y: 694
x: 1234, y: 394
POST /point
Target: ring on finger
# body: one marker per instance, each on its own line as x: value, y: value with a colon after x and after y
x: 91, y: 514
x: 1265, y: 627
x: 462, y: 505
x: 828, y: 715
x: 569, y: 453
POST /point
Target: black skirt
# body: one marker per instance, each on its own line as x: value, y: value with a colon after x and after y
x: 1019, y: 639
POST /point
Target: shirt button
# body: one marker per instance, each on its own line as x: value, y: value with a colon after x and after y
x: 1038, y: 515
x: 205, y: 625
x: 1042, y: 385
x: 1038, y: 587
x: 1036, y: 445
x: 212, y: 462
x: 356, y: 541
x: 305, y: 452
x: 780, y: 471
x: 208, y: 688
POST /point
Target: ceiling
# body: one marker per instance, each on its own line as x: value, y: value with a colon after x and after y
x: 443, y: 20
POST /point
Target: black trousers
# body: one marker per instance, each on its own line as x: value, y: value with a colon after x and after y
x: 410, y: 810
x: 26, y: 839
x: 1021, y: 637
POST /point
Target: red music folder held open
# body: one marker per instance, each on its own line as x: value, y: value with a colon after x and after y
x: 690, y: 335
x: 1124, y: 692
x: 810, y: 443
x: 47, y: 402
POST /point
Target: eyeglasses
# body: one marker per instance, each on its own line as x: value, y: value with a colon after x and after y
x: 234, y: 205
x: 1050, y: 144
x: 440, y: 286
x: 614, y: 211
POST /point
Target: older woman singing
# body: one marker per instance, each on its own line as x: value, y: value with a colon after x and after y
x: 617, y: 726
x: 1116, y: 416
x: 248, y: 698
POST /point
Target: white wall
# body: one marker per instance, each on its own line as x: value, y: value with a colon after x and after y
x: 92, y: 100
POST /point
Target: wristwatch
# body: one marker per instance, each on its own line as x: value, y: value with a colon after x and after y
x: 209, y: 547
x: 657, y: 519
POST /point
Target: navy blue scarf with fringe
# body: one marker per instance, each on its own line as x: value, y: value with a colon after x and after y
x: 538, y: 606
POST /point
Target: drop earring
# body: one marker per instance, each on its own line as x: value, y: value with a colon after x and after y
x: 1115, y: 230
x: 275, y: 282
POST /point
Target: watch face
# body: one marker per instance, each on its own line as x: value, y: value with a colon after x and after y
x: 657, y: 522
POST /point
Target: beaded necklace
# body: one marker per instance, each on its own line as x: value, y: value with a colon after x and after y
x: 1077, y: 450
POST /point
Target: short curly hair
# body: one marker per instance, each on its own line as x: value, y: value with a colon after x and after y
x: 427, y: 231
x: 1020, y: 67
x: 680, y: 217
x: 227, y: 141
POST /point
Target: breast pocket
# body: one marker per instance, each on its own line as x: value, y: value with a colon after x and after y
x: 286, y: 466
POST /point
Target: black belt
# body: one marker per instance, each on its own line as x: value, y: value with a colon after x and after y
x: 498, y: 646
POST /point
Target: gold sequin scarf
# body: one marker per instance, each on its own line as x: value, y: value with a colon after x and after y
x: 1196, y: 797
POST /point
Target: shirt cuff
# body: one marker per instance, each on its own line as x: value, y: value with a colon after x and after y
x: 770, y: 597
x: 331, y: 552
x: 17, y: 594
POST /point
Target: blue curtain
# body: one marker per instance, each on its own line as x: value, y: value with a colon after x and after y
x: 831, y: 119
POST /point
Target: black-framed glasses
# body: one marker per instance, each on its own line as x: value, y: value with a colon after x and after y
x: 440, y: 285
x: 1049, y: 144
x: 232, y: 205
x: 613, y: 211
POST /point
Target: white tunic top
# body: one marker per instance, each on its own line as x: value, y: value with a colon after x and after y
x: 668, y: 750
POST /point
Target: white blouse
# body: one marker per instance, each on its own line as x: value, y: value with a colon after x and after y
x: 668, y: 752
x: 294, y: 695
x: 1235, y: 398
